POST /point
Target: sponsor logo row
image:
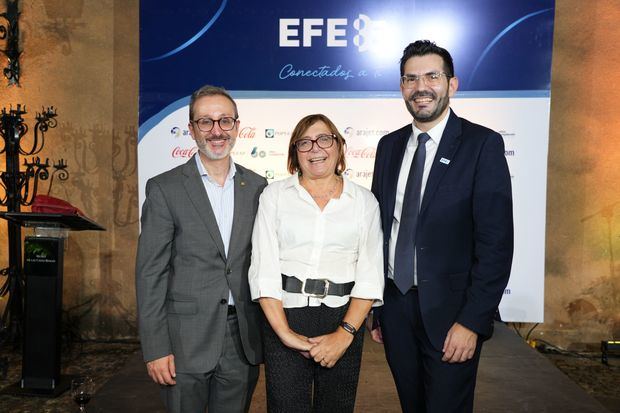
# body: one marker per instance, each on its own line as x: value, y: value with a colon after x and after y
x: 257, y: 152
x: 251, y: 132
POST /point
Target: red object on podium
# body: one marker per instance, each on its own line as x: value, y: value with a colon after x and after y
x: 49, y: 205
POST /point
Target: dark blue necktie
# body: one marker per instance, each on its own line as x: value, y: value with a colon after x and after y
x: 405, y: 243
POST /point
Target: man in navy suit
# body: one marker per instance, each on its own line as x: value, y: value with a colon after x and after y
x: 446, y: 209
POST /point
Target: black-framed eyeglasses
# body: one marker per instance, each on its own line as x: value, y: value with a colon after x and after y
x: 206, y: 124
x: 430, y: 79
x: 322, y: 141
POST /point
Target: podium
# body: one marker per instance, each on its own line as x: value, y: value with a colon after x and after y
x: 43, y: 272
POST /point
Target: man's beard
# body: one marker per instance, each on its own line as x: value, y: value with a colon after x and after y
x: 203, y: 146
x: 442, y: 104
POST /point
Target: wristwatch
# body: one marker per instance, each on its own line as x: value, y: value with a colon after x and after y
x: 348, y: 327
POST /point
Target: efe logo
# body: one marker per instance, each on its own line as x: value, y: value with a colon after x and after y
x: 368, y: 32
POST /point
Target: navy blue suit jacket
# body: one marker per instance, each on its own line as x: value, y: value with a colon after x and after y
x: 464, y: 237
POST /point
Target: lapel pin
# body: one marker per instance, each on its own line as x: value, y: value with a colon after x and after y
x: 445, y: 161
x: 242, y: 183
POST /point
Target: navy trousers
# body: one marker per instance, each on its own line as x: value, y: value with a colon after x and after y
x: 425, y: 384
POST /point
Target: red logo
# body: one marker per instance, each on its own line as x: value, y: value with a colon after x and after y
x: 247, y: 132
x: 179, y: 152
x: 364, y: 153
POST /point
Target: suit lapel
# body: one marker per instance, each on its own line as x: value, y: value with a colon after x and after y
x: 448, y: 145
x: 243, y: 201
x: 395, y: 160
x: 198, y: 195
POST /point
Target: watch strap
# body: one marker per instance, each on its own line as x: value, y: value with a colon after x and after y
x: 348, y: 327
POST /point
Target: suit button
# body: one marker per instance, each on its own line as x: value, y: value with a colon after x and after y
x: 223, y: 301
x: 228, y: 270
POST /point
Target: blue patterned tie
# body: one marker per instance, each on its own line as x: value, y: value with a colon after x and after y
x: 405, y: 243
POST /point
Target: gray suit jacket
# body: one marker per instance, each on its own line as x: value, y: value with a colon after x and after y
x: 183, y: 275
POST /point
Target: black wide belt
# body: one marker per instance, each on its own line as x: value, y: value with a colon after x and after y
x: 317, y: 288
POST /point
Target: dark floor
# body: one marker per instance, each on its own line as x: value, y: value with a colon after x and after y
x: 513, y: 378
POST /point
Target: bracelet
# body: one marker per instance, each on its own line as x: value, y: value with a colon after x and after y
x: 348, y: 327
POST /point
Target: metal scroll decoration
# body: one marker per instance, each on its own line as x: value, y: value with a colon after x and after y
x: 10, y: 32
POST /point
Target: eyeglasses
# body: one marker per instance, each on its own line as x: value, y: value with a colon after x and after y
x: 322, y: 141
x: 206, y: 125
x: 430, y: 79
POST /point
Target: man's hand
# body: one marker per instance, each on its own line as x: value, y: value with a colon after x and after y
x: 162, y: 370
x: 330, y: 347
x: 460, y: 344
x: 375, y: 333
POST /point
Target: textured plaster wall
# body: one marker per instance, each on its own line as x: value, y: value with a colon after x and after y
x: 82, y: 57
x: 582, y: 296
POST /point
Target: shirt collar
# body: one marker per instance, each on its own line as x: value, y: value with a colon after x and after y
x: 435, y: 133
x: 232, y: 170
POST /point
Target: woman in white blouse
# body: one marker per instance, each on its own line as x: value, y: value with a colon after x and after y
x: 317, y: 268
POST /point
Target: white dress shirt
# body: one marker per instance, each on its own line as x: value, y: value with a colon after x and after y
x: 431, y: 150
x: 293, y: 236
x: 222, y: 200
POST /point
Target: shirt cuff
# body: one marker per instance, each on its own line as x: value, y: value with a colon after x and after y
x: 368, y: 291
x: 266, y: 289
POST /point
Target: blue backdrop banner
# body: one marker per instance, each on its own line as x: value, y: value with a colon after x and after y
x: 342, y: 46
x: 283, y: 59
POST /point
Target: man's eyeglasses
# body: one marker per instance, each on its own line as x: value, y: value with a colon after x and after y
x: 322, y: 141
x: 430, y: 79
x: 206, y: 125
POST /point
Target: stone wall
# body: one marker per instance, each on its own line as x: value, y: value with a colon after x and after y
x: 81, y: 56
x: 582, y: 289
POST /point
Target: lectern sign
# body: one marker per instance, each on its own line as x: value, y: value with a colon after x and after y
x: 41, y: 256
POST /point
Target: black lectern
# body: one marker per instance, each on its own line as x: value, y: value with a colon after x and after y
x: 43, y: 270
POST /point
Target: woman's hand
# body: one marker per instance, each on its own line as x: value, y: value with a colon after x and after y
x: 296, y: 342
x: 277, y: 319
x: 329, y: 348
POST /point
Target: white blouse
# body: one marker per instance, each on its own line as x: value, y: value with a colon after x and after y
x: 293, y: 236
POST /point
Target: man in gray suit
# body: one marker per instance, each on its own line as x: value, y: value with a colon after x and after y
x: 199, y: 329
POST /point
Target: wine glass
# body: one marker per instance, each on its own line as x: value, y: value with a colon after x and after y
x: 81, y: 390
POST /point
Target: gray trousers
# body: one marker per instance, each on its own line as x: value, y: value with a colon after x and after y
x: 226, y: 389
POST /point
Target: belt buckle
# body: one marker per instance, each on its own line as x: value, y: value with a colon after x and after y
x: 325, y: 289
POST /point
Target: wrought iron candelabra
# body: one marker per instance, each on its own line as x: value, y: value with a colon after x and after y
x: 19, y: 185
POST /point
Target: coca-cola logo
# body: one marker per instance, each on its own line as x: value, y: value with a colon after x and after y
x: 179, y: 152
x: 247, y: 132
x: 364, y: 153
